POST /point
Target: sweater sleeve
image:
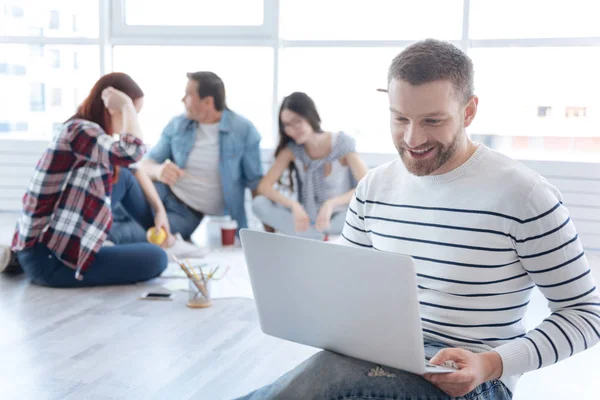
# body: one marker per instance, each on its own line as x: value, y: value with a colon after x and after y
x: 551, y: 253
x: 355, y: 232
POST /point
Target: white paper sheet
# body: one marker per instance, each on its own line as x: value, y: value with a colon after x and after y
x: 235, y: 283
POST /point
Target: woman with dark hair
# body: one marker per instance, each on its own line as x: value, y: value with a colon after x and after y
x: 322, y: 166
x: 60, y: 239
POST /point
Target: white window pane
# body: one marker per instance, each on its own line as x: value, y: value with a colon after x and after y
x: 371, y: 20
x: 51, y: 18
x: 246, y: 71
x: 36, y: 96
x: 343, y: 83
x: 510, y: 19
x: 194, y: 12
x: 541, y: 102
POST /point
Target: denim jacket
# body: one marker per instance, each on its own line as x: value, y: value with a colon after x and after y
x: 239, y: 156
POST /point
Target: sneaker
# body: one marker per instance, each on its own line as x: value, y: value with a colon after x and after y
x: 183, y: 249
x: 8, y: 261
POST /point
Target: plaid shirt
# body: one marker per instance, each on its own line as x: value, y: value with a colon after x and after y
x: 67, y: 205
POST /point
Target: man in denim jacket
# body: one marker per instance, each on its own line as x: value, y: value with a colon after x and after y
x: 205, y: 159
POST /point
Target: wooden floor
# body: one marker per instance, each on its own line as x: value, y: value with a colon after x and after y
x: 104, y: 343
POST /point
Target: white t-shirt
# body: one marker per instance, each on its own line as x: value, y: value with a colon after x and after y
x: 483, y: 236
x: 201, y: 188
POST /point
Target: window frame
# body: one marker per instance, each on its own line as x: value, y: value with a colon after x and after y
x: 120, y: 28
x: 113, y: 31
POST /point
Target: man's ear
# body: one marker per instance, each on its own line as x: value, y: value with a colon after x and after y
x: 210, y: 101
x: 471, y: 110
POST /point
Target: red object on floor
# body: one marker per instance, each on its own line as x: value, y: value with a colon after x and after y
x: 326, y: 238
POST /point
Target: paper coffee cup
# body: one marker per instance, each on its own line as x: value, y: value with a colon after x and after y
x: 228, y: 230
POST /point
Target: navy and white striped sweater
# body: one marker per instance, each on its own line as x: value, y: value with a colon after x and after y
x: 483, y: 236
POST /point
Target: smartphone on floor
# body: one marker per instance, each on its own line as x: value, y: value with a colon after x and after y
x: 157, y: 296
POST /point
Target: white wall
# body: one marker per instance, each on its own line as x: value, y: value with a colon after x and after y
x: 578, y: 182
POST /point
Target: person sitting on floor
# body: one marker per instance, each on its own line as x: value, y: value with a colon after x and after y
x: 203, y: 162
x: 61, y: 235
x: 325, y: 167
x: 483, y: 230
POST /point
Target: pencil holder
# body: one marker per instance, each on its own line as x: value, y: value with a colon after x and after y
x: 199, y: 294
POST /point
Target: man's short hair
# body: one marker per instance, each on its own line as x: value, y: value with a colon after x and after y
x: 433, y: 60
x: 210, y: 84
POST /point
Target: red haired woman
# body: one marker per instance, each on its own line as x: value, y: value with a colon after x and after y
x: 67, y: 210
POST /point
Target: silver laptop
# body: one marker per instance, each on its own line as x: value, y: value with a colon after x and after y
x: 357, y: 302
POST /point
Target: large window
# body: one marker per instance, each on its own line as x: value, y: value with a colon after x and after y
x: 36, y: 91
x: 161, y: 72
x: 343, y: 82
x: 518, y: 19
x: 198, y: 18
x: 361, y: 20
x: 539, y: 102
x: 49, y: 18
x: 194, y: 13
x: 535, y: 62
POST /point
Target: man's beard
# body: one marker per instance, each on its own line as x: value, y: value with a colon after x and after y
x: 443, y: 154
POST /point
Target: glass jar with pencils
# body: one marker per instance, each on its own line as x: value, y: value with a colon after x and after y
x: 199, y: 293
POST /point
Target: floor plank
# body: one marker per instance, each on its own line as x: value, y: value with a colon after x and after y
x: 105, y: 343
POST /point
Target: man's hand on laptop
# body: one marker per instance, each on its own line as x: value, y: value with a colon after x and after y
x: 473, y: 370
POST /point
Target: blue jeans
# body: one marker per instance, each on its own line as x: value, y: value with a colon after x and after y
x: 128, y: 228
x: 129, y: 202
x: 115, y: 265
x: 328, y: 375
x: 282, y: 220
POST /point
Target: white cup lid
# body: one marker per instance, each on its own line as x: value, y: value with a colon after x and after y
x: 229, y: 224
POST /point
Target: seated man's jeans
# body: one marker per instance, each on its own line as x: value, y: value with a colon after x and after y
x: 328, y: 375
x: 129, y: 204
x: 126, y: 228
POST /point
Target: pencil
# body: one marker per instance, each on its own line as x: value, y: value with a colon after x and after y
x: 200, y: 287
x: 192, y: 270
x: 202, y: 275
x: 213, y: 272
x: 222, y: 275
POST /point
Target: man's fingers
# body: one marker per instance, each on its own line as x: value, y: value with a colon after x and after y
x: 458, y: 377
x: 169, y: 177
x: 174, y: 169
x: 452, y: 354
x: 441, y: 356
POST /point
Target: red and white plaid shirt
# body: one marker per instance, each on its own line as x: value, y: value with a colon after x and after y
x: 67, y: 205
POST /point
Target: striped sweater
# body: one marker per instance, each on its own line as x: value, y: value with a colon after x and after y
x: 483, y: 236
